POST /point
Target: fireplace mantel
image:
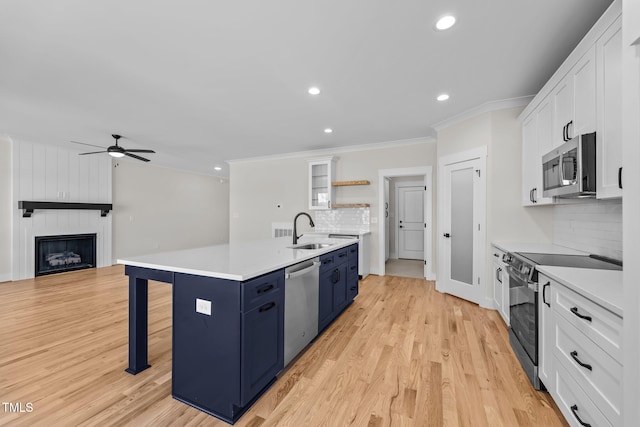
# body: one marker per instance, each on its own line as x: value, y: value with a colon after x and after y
x: 29, y: 206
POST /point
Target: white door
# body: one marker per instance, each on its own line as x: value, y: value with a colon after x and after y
x: 462, y: 237
x: 387, y: 241
x: 411, y: 222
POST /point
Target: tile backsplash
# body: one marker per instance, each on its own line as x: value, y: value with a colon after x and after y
x: 341, y: 220
x: 594, y: 227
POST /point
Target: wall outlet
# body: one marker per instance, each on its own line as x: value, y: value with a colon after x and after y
x: 203, y: 306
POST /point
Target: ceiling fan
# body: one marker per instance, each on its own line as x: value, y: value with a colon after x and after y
x: 116, y: 150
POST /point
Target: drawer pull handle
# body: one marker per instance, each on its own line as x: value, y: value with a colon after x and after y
x: 544, y: 295
x: 342, y: 255
x: 353, y: 288
x: 327, y: 261
x: 353, y: 267
x: 267, y: 307
x: 574, y: 310
x: 574, y: 354
x: 574, y: 409
x: 265, y: 289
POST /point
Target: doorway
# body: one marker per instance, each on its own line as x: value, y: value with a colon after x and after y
x: 462, y: 224
x: 406, y: 195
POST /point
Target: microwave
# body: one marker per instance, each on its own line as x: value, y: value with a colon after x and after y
x: 570, y: 169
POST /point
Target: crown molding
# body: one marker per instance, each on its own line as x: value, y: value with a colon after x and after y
x: 337, y: 150
x: 483, y: 108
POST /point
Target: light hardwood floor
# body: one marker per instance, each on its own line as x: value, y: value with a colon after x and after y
x: 401, y: 354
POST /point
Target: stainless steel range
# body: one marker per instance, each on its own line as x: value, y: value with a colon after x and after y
x: 523, y: 299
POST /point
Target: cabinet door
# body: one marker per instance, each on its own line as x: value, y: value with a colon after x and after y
x: 546, y: 330
x: 529, y: 154
x: 325, y: 302
x: 505, y: 298
x: 262, y: 354
x: 497, y: 286
x: 563, y: 106
x: 584, y: 95
x: 339, y: 281
x: 608, y: 134
x: 321, y: 175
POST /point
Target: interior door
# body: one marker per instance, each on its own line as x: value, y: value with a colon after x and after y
x: 462, y: 238
x: 411, y: 222
x: 387, y: 224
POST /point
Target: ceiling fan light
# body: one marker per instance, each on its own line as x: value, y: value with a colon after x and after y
x: 116, y: 154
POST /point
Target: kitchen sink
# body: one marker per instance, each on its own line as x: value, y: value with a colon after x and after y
x: 312, y: 246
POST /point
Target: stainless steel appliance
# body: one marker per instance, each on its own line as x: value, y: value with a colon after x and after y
x: 570, y: 170
x: 301, y: 299
x: 523, y: 300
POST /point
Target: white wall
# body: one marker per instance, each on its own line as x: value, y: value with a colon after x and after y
x: 157, y: 209
x: 507, y: 220
x: 258, y: 186
x: 5, y: 210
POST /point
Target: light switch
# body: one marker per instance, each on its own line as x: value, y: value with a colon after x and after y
x: 203, y: 306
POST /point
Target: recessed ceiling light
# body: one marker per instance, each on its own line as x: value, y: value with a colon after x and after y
x: 445, y: 22
x: 313, y: 91
x: 328, y: 130
x: 442, y: 97
x: 218, y: 168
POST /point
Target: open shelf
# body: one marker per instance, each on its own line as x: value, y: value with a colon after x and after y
x: 345, y: 183
x: 28, y: 206
x: 351, y: 205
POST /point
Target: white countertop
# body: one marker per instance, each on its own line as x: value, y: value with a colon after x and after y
x: 343, y: 232
x: 537, y: 248
x: 235, y: 261
x: 603, y: 287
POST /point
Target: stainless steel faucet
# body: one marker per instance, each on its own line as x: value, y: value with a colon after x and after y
x: 295, y: 230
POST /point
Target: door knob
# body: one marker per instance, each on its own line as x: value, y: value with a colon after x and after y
x: 447, y: 235
x: 400, y: 226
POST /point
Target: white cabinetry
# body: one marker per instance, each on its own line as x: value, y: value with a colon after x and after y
x: 536, y: 141
x: 546, y: 336
x: 583, y: 96
x: 321, y: 175
x: 609, y: 125
x: 500, y: 285
x: 584, y: 343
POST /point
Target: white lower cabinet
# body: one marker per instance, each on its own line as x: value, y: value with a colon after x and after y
x: 500, y: 284
x: 580, y: 355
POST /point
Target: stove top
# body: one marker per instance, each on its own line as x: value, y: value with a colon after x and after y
x: 578, y: 261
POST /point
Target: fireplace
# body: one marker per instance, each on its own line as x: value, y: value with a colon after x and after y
x: 55, y: 254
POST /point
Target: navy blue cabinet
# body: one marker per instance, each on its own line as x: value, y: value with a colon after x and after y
x: 222, y: 361
x: 338, y: 286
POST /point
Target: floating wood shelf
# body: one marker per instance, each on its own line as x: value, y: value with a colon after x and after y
x: 28, y: 206
x: 351, y: 205
x: 344, y: 183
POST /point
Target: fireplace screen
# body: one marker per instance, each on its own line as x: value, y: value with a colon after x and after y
x: 55, y: 254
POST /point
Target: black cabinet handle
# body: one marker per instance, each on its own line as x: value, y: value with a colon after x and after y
x: 342, y: 255
x: 265, y: 289
x: 335, y: 277
x: 498, y: 271
x: 353, y: 288
x: 564, y: 133
x: 535, y: 195
x: 327, y: 261
x: 353, y: 267
x: 568, y: 125
x: 620, y: 177
x: 496, y: 255
x: 354, y: 250
x: 267, y: 307
x: 544, y: 294
x: 574, y: 310
x: 574, y: 409
x: 574, y: 354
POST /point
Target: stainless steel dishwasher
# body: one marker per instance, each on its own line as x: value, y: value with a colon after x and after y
x: 301, y: 293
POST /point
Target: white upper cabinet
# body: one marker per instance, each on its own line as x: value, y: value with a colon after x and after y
x: 609, y: 125
x: 575, y: 101
x: 536, y: 141
x: 583, y: 96
x: 321, y: 175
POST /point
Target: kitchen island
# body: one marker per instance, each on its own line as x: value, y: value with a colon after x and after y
x: 228, y: 314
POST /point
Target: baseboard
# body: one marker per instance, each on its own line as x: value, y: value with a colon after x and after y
x: 5, y: 278
x: 487, y: 303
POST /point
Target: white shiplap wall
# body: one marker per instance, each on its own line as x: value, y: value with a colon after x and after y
x: 593, y: 226
x: 44, y: 173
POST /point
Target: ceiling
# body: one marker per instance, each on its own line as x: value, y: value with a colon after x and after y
x: 202, y: 82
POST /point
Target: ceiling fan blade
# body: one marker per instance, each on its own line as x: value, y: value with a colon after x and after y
x: 84, y: 143
x: 137, y: 157
x: 139, y: 151
x: 93, y: 152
